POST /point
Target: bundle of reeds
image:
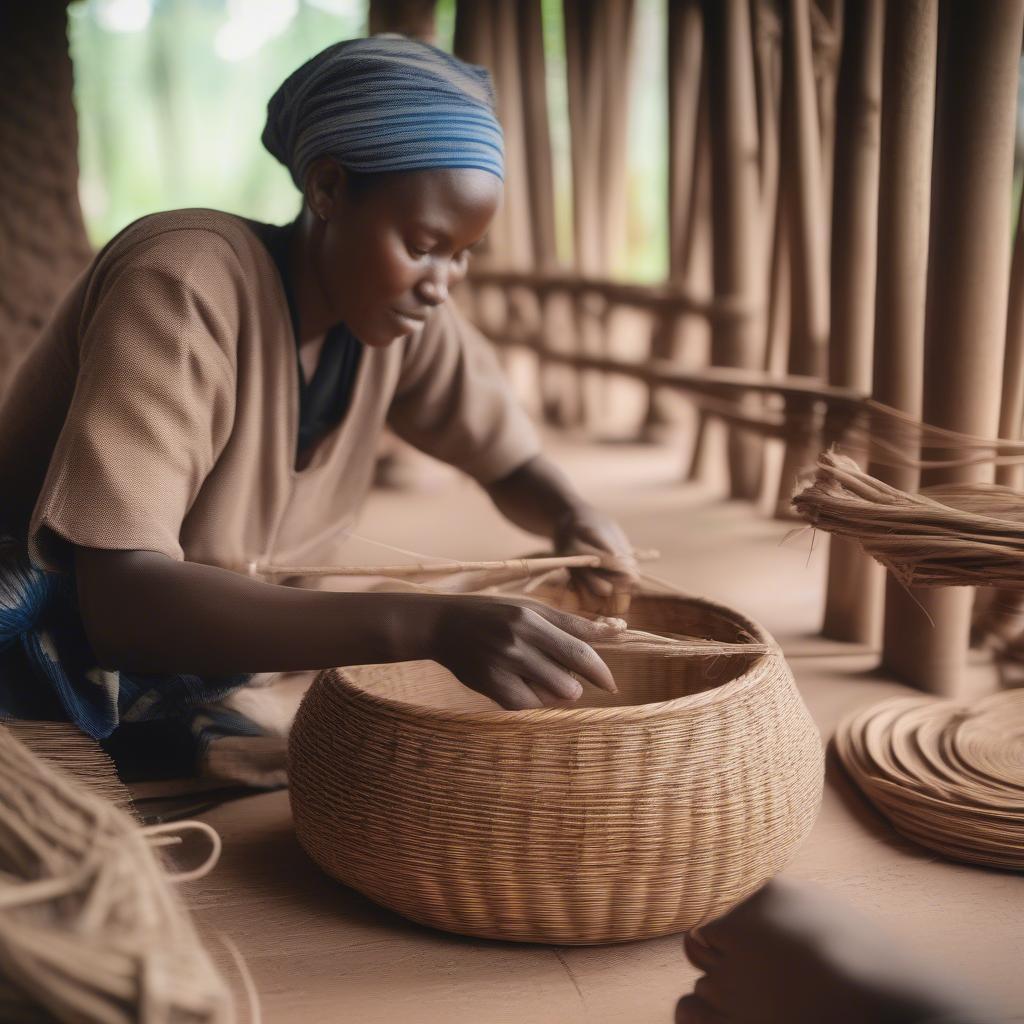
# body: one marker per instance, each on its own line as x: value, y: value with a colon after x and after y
x: 955, y: 535
x: 90, y: 929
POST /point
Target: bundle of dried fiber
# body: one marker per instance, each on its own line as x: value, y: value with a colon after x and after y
x: 956, y: 535
x: 74, y: 754
x: 463, y: 577
x: 890, y: 437
x: 90, y: 930
x: 947, y: 775
x: 881, y: 433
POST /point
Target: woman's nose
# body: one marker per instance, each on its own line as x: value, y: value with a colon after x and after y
x: 434, y: 289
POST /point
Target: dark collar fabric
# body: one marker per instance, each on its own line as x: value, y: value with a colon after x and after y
x: 324, y: 400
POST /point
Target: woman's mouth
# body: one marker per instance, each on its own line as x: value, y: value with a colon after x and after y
x: 408, y: 321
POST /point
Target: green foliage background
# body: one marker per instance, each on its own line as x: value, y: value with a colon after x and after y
x: 171, y: 98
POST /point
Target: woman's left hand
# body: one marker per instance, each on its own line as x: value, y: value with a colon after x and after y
x: 587, y: 530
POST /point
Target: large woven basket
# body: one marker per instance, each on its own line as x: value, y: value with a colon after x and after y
x: 622, y: 817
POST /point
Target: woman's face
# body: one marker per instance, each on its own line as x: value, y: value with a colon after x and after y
x: 389, y: 253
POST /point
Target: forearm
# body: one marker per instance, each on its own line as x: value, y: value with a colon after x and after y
x: 146, y: 612
x: 537, y: 497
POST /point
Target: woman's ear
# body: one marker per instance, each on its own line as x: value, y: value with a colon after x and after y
x: 326, y: 188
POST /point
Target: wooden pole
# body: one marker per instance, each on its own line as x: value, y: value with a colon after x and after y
x: 42, y: 234
x: 695, y: 333
x: 968, y: 278
x: 801, y: 155
x: 904, y: 203
x: 588, y: 250
x: 766, y: 31
x: 615, y: 76
x: 516, y: 207
x: 735, y: 192
x: 1011, y: 408
x: 537, y: 134
x: 415, y: 18
x: 854, y: 592
x: 773, y: 198
x: 475, y: 42
x: 997, y: 615
x: 554, y: 382
x: 826, y: 23
x: 580, y: 26
x: 598, y: 36
x: 908, y: 114
x: 685, y: 64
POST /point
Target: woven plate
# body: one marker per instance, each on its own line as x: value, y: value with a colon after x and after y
x: 949, y: 776
x: 623, y: 817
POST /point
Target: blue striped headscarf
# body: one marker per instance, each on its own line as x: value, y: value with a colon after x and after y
x: 386, y: 103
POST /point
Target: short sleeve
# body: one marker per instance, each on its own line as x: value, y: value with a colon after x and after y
x: 152, y: 406
x: 453, y: 401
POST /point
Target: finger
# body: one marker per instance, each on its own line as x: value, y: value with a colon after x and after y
x: 699, y: 954
x: 607, y: 539
x: 692, y: 1010
x: 609, y: 593
x: 510, y: 692
x: 615, y: 560
x: 704, y: 989
x: 594, y: 582
x: 588, y: 630
x: 546, y: 697
x: 548, y: 677
x: 575, y: 654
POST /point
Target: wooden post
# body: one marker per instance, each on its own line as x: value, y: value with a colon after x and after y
x: 536, y: 133
x: 588, y: 247
x: 826, y: 23
x: 908, y: 114
x: 801, y: 155
x: 415, y: 18
x: 42, y: 235
x: 695, y: 331
x: 598, y: 36
x: 475, y: 42
x: 968, y: 278
x: 685, y: 65
x: 773, y: 198
x: 853, y: 601
x: 555, y: 382
x: 615, y: 77
x: 738, y: 244
x: 516, y: 205
x: 767, y: 30
x: 1011, y: 408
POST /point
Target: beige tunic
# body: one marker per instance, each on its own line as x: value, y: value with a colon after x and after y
x: 159, y: 409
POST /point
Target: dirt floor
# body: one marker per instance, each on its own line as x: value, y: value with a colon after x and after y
x: 320, y: 953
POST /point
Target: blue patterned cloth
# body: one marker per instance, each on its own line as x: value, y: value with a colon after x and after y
x: 39, y: 613
x: 386, y: 103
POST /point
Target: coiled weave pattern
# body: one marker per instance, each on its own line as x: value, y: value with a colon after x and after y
x: 623, y: 817
x: 948, y: 775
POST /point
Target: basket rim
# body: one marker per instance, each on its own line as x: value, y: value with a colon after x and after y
x: 576, y: 716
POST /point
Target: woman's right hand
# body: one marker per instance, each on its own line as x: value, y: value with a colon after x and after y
x: 522, y: 654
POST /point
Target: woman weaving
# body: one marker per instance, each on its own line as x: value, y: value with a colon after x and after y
x: 209, y: 394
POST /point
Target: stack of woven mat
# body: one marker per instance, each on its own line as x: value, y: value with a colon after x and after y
x: 947, y: 775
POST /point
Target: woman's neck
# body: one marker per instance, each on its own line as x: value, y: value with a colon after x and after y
x: 315, y: 315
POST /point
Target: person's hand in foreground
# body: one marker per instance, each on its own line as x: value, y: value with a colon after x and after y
x: 791, y: 954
